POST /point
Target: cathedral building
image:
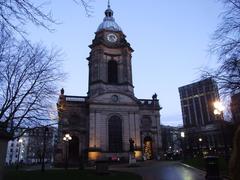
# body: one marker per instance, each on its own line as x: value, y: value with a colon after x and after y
x: 102, y: 122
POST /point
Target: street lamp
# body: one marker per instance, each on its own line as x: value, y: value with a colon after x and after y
x: 218, y: 110
x: 20, y: 141
x: 66, y: 138
x: 200, y: 144
x: 182, y: 134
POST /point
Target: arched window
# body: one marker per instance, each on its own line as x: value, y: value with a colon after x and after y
x: 115, y: 134
x: 112, y: 72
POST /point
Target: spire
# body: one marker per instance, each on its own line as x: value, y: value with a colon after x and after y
x: 109, y: 21
x: 109, y: 12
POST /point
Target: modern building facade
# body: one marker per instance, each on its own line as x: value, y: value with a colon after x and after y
x: 28, y: 149
x: 204, y: 131
x: 102, y: 122
x: 197, y: 102
x: 17, y: 150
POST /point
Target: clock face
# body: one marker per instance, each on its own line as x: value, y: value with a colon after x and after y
x: 112, y: 37
x: 114, y: 98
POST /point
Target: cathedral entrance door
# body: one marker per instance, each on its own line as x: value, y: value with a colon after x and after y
x: 148, y: 151
x: 74, y: 150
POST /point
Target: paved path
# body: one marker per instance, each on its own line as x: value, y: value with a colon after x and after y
x: 164, y: 170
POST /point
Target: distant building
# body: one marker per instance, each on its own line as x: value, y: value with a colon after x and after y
x: 235, y: 108
x: 197, y: 102
x: 16, y: 150
x: 36, y: 144
x: 171, y: 139
x: 204, y: 131
x: 28, y: 148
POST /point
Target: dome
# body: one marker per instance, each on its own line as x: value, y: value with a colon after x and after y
x: 109, y: 22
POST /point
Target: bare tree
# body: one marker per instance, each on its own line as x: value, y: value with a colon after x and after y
x: 226, y: 45
x: 226, y: 39
x: 14, y: 14
x: 28, y: 73
x: 29, y: 78
x: 86, y: 4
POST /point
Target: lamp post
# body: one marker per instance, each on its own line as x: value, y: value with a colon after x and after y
x: 66, y: 138
x: 20, y: 141
x: 200, y: 144
x: 44, y: 148
x: 182, y: 134
x: 218, y: 108
x: 218, y: 111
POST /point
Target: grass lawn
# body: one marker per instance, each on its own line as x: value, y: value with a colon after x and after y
x: 69, y: 174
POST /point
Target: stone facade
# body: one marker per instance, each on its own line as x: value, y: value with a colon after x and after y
x: 102, y: 123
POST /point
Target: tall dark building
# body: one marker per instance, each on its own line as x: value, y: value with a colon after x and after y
x: 204, y: 131
x: 235, y: 108
x: 197, y: 102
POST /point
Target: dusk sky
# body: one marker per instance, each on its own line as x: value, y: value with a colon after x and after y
x: 171, y: 40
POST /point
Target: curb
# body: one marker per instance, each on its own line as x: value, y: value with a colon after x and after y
x: 200, y: 170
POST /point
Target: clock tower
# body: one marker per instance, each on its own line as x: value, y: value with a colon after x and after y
x: 110, y: 68
x: 102, y: 123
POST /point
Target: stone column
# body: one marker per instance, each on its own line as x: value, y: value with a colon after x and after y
x: 92, y: 129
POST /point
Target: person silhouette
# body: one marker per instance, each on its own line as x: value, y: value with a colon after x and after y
x: 154, y: 97
x: 234, y: 164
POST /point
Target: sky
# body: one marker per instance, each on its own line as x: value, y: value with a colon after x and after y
x: 170, y: 39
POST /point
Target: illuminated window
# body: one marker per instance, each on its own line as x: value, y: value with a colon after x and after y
x: 148, y: 151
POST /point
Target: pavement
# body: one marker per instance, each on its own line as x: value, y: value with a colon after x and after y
x: 157, y: 170
x: 163, y: 170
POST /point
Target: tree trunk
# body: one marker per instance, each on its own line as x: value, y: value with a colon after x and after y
x: 3, y: 150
